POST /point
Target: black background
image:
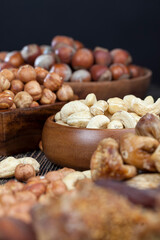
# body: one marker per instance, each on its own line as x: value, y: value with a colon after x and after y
x: 132, y: 25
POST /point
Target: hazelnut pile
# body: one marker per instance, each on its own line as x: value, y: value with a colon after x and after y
x: 73, y: 61
x: 115, y: 113
x: 27, y: 86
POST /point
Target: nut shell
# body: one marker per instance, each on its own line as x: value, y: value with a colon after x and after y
x: 83, y: 58
x: 24, y: 171
x: 53, y: 81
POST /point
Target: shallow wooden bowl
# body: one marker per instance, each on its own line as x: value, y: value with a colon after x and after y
x: 21, y: 129
x: 73, y: 147
x: 104, y: 90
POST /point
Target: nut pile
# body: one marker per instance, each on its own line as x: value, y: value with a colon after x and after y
x: 115, y: 113
x: 30, y: 87
x: 74, y: 62
x: 134, y: 152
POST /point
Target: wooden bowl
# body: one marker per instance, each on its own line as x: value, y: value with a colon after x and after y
x: 73, y: 147
x: 119, y: 88
x: 21, y: 129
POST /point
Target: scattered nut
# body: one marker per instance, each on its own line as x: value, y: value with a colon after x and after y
x: 23, y: 172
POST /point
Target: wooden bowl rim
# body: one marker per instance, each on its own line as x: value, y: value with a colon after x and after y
x: 53, y: 124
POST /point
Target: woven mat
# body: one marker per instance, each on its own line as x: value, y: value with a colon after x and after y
x: 45, y: 164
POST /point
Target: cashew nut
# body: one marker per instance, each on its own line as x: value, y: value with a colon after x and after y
x: 137, y: 118
x: 99, y: 122
x: 99, y: 108
x: 116, y: 104
x: 87, y: 173
x: 156, y: 158
x: 115, y: 124
x: 125, y: 118
x: 128, y: 101
x: 149, y: 100
x: 79, y: 119
x: 72, y: 178
x: 141, y: 107
x: 90, y: 99
x: 57, y: 116
x: 62, y: 123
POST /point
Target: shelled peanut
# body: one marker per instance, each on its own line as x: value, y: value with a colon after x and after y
x: 115, y: 113
x: 30, y: 87
x: 74, y: 62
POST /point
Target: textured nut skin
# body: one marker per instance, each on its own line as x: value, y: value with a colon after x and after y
x: 17, y: 86
x: 102, y: 56
x: 121, y: 56
x: 41, y: 73
x: 34, y: 89
x: 149, y: 125
x: 56, y: 188
x: 78, y: 44
x: 8, y: 74
x: 135, y: 71
x: 48, y: 97
x: 24, y: 171
x: 30, y: 53
x: 106, y: 162
x: 63, y: 70
x: 14, y: 71
x: 26, y: 73
x: 53, y: 81
x: 23, y: 99
x: 64, y: 53
x: 100, y: 73
x: 62, y: 39
x: 14, y: 58
x: 4, y: 65
x: 137, y: 151
x: 119, y: 71
x: 34, y: 104
x: 37, y: 188
x: 10, y: 93
x: 83, y: 58
x: 6, y: 101
x: 44, y: 61
x: 81, y: 75
x: 65, y: 93
x: 4, y: 83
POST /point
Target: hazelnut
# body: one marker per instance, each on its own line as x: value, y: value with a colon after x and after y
x: 65, y: 93
x: 14, y: 186
x: 37, y: 188
x: 30, y: 53
x: 64, y: 53
x: 46, y: 49
x: 4, y: 83
x: 62, y: 39
x: 10, y: 93
x: 78, y: 44
x: 14, y: 58
x: 119, y: 71
x: 44, y: 61
x: 121, y: 56
x: 34, y: 104
x: 14, y: 71
x: 26, y: 73
x: 24, y: 171
x: 34, y: 89
x: 4, y: 65
x: 6, y: 101
x: 23, y: 99
x: 41, y: 74
x: 134, y: 71
x: 17, y: 86
x: 102, y: 56
x: 56, y: 188
x: 81, y: 75
x: 53, y: 81
x: 100, y: 73
x: 8, y: 74
x: 83, y: 58
x: 13, y: 106
x: 63, y: 70
x: 25, y: 196
x: 48, y: 97
x: 2, y: 56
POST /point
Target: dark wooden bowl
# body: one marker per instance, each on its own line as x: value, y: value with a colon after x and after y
x: 21, y: 129
x: 104, y: 90
x: 73, y: 147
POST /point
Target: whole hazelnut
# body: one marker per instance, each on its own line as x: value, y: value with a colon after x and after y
x: 34, y: 89
x: 24, y: 171
x: 23, y: 99
x: 83, y: 58
x: 121, y: 56
x: 46, y: 49
x: 8, y: 74
x: 65, y: 93
x: 44, y: 61
x: 78, y: 44
x: 4, y: 83
x: 30, y: 53
x: 17, y: 86
x: 13, y: 106
x: 14, y: 58
x: 10, y: 93
x: 64, y: 53
x: 62, y: 39
x: 34, y: 104
x: 134, y: 71
x: 102, y: 56
x: 48, y: 97
x: 100, y: 73
x: 53, y: 81
x: 6, y: 101
x: 4, y: 65
x: 41, y: 74
x: 63, y: 70
x: 119, y: 71
x: 14, y: 71
x: 81, y: 75
x: 2, y: 56
x: 26, y: 73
